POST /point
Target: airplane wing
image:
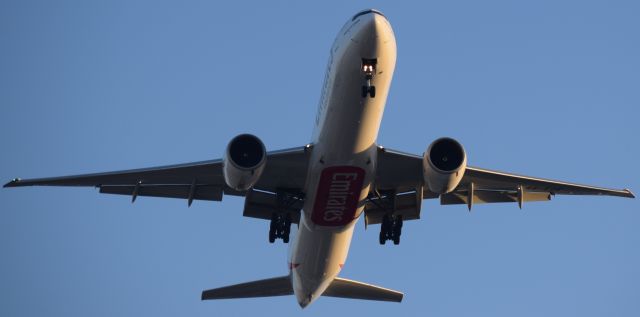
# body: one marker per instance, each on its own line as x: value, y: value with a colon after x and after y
x: 401, y: 174
x: 192, y: 181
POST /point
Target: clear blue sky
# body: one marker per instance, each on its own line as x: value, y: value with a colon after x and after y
x: 543, y: 88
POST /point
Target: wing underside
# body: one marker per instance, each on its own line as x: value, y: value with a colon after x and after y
x: 398, y: 174
x: 401, y: 174
x: 192, y: 181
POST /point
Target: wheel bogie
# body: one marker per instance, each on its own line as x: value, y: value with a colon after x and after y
x: 391, y: 229
x: 368, y: 91
x: 280, y: 227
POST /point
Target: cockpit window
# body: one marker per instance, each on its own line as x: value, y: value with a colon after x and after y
x: 366, y: 12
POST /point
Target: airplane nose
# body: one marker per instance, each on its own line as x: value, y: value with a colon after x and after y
x: 372, y: 27
x: 364, y: 12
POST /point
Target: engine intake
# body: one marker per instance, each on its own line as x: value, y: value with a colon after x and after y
x: 443, y: 165
x: 244, y: 161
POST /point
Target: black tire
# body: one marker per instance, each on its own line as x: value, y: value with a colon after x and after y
x: 285, y: 238
x: 383, y: 239
x: 287, y: 226
x: 372, y: 91
x: 396, y: 240
x: 365, y: 91
x: 272, y: 224
x: 385, y: 226
x: 272, y: 236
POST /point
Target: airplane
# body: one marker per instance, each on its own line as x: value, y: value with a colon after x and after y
x: 342, y: 174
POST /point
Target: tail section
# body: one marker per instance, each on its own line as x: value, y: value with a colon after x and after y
x: 344, y: 288
x: 277, y: 286
x: 280, y: 286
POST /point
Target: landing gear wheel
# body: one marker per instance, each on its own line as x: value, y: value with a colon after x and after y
x: 280, y: 227
x: 391, y: 229
x: 272, y: 236
x: 397, y: 229
x: 286, y: 230
x: 368, y: 91
x: 396, y: 240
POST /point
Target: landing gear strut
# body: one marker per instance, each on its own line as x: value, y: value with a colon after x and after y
x: 369, y: 69
x: 391, y: 229
x: 280, y: 227
x: 391, y: 225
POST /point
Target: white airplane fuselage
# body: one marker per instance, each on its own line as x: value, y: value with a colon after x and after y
x: 343, y: 158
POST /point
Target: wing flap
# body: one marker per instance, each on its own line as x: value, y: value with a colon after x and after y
x: 263, y: 205
x: 200, y: 192
x: 408, y: 205
x: 492, y: 196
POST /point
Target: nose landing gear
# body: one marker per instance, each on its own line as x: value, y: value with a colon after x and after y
x: 369, y: 70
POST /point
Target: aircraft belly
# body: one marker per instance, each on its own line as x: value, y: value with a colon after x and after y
x: 318, y: 258
x: 347, y: 128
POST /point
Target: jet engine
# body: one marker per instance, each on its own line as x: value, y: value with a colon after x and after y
x: 443, y: 165
x: 243, y: 161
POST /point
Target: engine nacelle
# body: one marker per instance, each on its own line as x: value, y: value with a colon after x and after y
x: 443, y: 165
x: 243, y: 162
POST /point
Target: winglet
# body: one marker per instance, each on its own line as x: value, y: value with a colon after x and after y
x: 13, y: 183
x: 630, y: 193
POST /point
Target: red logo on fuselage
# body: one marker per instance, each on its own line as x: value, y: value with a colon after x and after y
x: 337, y: 196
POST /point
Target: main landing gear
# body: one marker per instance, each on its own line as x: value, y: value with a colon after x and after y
x: 391, y: 224
x: 391, y: 229
x: 369, y: 69
x: 280, y: 227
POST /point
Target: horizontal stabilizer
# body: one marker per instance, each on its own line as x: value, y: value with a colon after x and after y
x: 277, y: 286
x: 344, y: 288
